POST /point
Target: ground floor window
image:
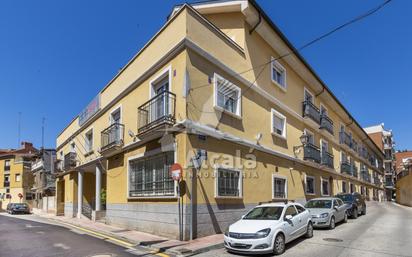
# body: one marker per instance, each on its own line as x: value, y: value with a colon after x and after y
x: 325, y: 187
x: 344, y: 186
x: 29, y: 196
x: 228, y: 183
x: 310, y: 185
x: 362, y: 190
x: 352, y: 188
x: 150, y: 176
x: 279, y: 185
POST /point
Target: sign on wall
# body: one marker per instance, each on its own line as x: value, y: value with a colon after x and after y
x: 90, y: 110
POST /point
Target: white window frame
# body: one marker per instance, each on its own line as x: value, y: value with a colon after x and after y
x: 307, y: 91
x: 240, y: 184
x: 167, y: 72
x: 273, y: 186
x: 279, y: 67
x: 90, y: 131
x: 17, y: 175
x: 321, y: 186
x: 281, y: 116
x: 147, y: 155
x: 306, y: 185
x: 118, y: 108
x: 238, y: 113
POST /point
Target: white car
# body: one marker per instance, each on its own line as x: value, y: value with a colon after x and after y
x: 268, y: 227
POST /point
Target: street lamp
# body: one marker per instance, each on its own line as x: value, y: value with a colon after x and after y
x: 304, y: 139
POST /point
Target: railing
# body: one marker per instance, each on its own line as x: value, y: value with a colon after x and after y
x: 389, y: 183
x: 354, y: 170
x: 38, y: 164
x: 6, y: 183
x: 70, y: 160
x: 354, y: 145
x: 365, y: 176
x: 345, y: 167
x: 311, y: 152
x: 112, y: 136
x: 326, y: 123
x: 344, y: 138
x: 158, y: 111
x: 327, y: 159
x: 311, y: 111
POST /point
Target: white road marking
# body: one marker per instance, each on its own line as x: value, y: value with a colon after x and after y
x: 61, y: 245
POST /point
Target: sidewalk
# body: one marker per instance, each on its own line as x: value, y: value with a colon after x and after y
x: 133, y: 237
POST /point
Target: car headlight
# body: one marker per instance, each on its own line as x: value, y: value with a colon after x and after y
x: 324, y: 215
x: 262, y: 233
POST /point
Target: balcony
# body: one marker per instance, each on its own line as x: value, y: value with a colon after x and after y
x: 37, y: 165
x: 311, y: 152
x: 354, y: 145
x: 157, y: 113
x: 6, y: 183
x: 389, y: 184
x: 345, y: 168
x: 112, y: 139
x: 311, y: 111
x: 345, y: 138
x: 70, y: 161
x: 354, y: 171
x: 365, y: 176
x: 327, y: 159
x: 326, y: 123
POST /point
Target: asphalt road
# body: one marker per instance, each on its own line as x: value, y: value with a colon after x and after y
x: 386, y: 230
x: 22, y: 236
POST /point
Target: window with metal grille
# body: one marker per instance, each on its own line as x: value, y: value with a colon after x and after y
x: 310, y: 185
x: 228, y: 182
x: 279, y: 188
x: 150, y: 176
x: 325, y: 187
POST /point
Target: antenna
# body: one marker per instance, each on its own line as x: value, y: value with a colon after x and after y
x: 18, y: 130
x: 42, y: 132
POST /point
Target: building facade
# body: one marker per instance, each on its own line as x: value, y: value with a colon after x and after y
x: 404, y: 178
x: 44, y: 172
x: 384, y: 139
x: 16, y: 179
x: 242, y: 135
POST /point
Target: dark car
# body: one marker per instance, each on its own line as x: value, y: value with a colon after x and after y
x: 20, y: 208
x: 9, y: 206
x: 356, y: 204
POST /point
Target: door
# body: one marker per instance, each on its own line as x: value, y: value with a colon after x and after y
x: 291, y: 227
x: 302, y: 218
x: 338, y: 211
x: 324, y: 149
x: 115, y: 120
x: 161, y: 106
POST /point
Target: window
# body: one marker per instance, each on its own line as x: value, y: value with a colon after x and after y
x: 150, y: 176
x: 325, y: 187
x: 307, y: 96
x: 228, y: 183
x: 29, y: 196
x: 343, y: 157
x: 324, y: 147
x: 89, y: 141
x: 278, y: 124
x: 17, y: 178
x: 291, y: 210
x: 310, y: 185
x: 336, y: 203
x: 73, y: 147
x: 352, y: 188
x: 311, y: 137
x: 7, y: 163
x: 227, y: 95
x: 116, y: 116
x: 278, y: 74
x: 344, y: 186
x: 362, y: 189
x: 7, y: 190
x: 300, y: 208
x: 323, y: 110
x: 279, y: 186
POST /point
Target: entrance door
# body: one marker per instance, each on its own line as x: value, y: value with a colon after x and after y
x: 161, y: 104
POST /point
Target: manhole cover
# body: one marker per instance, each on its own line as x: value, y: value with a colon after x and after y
x: 333, y: 239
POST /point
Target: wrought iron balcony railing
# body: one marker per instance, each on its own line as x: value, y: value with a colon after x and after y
x: 365, y: 176
x: 311, y: 152
x: 70, y: 160
x: 345, y: 168
x: 327, y: 159
x: 354, y: 170
x: 112, y: 137
x: 326, y: 123
x: 157, y: 112
x: 311, y: 111
x: 345, y: 138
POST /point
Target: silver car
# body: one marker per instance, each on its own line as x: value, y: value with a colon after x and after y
x: 327, y: 211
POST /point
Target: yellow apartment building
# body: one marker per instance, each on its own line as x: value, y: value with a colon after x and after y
x: 209, y: 92
x: 16, y: 178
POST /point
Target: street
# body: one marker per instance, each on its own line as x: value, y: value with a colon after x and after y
x: 386, y: 230
x: 24, y: 236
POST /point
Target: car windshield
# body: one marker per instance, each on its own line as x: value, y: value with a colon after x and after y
x: 321, y: 204
x: 346, y: 198
x: 20, y: 205
x: 264, y: 213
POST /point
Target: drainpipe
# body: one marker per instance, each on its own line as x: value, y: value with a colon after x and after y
x: 256, y: 25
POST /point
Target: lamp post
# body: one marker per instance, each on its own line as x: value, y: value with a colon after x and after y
x: 304, y: 139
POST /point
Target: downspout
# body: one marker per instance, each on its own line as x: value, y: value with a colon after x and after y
x: 256, y: 25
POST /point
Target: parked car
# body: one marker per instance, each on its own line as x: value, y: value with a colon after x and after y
x: 9, y: 207
x: 356, y: 204
x: 267, y: 228
x: 20, y: 208
x: 327, y: 211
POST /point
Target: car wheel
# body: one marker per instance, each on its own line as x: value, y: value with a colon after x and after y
x: 355, y: 213
x: 279, y: 244
x: 332, y: 223
x: 309, y: 230
x: 345, y: 218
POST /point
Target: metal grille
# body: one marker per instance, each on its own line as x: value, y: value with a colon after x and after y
x: 150, y: 176
x: 279, y: 188
x: 228, y: 182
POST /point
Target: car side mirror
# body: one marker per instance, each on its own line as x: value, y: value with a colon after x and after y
x: 335, y: 207
x: 288, y: 217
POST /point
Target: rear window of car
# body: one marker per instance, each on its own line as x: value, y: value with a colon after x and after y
x: 20, y: 205
x: 320, y: 204
x: 346, y: 198
x: 264, y: 213
x: 300, y: 208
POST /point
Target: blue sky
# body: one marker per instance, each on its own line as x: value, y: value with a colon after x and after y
x: 55, y: 56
